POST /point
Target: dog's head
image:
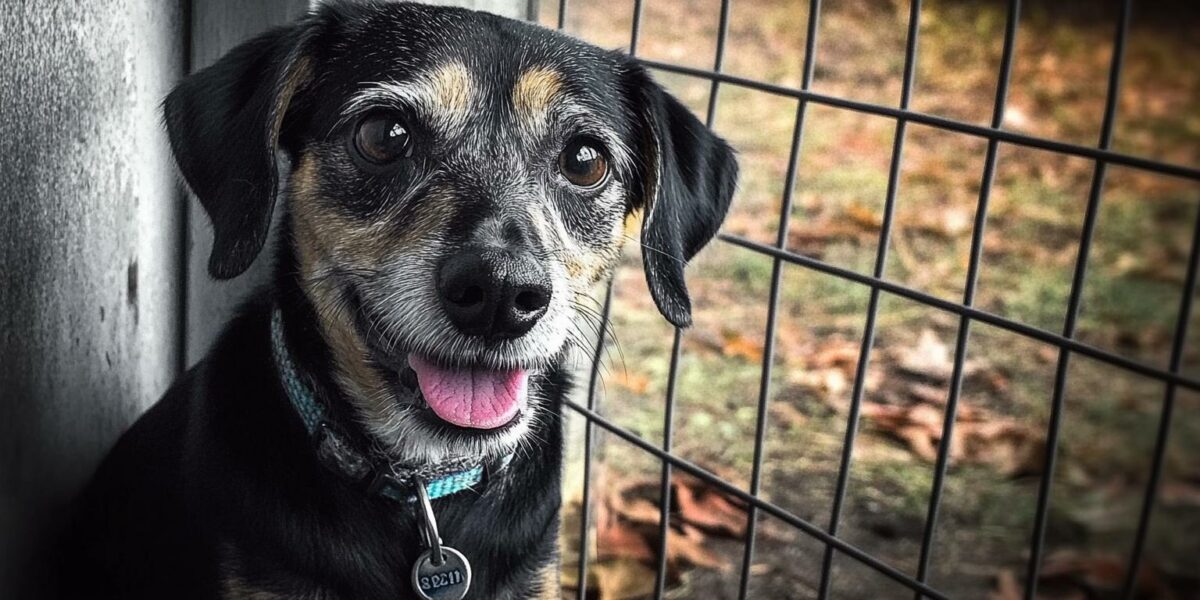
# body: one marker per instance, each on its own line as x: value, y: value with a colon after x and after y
x: 456, y: 183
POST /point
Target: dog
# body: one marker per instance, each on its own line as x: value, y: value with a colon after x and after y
x: 454, y: 186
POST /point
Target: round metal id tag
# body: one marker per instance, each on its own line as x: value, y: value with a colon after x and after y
x: 450, y: 581
x: 441, y: 572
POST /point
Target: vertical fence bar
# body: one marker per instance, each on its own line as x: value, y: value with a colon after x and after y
x: 868, y: 341
x: 1164, y: 420
x: 718, y: 63
x: 1038, y: 542
x: 664, y: 497
x: 664, y: 518
x: 785, y: 213
x: 964, y: 323
x: 636, y: 28
x: 585, y: 511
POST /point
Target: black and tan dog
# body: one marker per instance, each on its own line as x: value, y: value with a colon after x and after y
x: 454, y: 185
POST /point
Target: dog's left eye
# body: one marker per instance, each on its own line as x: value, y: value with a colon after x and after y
x: 382, y: 139
x: 583, y: 163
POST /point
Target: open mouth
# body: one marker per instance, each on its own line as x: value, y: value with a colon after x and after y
x: 475, y: 398
x: 468, y: 396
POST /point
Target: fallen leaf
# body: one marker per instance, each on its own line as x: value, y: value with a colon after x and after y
x: 836, y: 353
x: 1180, y: 493
x: 634, y: 382
x: 863, y: 216
x: 707, y: 509
x: 927, y: 393
x: 980, y: 437
x: 619, y: 537
x: 951, y: 222
x: 735, y: 344
x: 931, y: 359
x: 787, y: 414
x: 622, y: 579
x: 813, y: 238
x: 1007, y: 586
x: 687, y: 544
x: 1099, y: 575
x: 831, y: 384
x: 627, y: 528
x: 1012, y: 448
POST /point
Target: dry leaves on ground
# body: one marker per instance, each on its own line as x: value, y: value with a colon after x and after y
x: 914, y: 381
x: 1073, y: 575
x: 627, y: 535
x: 979, y: 437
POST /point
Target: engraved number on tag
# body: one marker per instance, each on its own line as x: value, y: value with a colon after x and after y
x: 449, y: 581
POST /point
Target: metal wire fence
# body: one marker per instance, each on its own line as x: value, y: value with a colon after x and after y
x: 1067, y: 345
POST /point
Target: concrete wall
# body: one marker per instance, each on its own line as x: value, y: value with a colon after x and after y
x: 89, y: 237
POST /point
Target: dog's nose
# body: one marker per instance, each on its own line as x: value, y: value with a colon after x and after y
x: 493, y: 293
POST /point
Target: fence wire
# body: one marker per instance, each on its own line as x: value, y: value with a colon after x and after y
x: 1065, y: 342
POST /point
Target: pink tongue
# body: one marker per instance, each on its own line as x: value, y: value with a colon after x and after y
x: 476, y: 398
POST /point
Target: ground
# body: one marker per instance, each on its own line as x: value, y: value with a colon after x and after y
x: 1130, y: 302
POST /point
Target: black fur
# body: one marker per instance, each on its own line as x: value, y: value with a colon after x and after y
x: 224, y: 131
x: 217, y: 485
x: 222, y: 462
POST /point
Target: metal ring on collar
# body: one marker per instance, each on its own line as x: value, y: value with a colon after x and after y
x: 428, y: 524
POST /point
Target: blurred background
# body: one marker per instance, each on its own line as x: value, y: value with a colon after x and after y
x: 1129, y: 306
x: 106, y: 299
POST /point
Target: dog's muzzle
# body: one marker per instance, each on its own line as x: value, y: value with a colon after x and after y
x: 494, y: 295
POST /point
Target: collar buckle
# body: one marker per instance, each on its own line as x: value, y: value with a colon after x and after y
x: 387, y: 483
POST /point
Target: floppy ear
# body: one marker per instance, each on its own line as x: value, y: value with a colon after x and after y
x: 224, y: 123
x: 689, y: 176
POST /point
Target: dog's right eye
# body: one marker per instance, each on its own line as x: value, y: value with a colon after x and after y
x: 381, y: 139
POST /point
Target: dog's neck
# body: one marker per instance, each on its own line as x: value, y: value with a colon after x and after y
x: 376, y: 472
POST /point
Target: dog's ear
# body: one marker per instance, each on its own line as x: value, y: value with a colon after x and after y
x: 688, y: 179
x: 224, y: 124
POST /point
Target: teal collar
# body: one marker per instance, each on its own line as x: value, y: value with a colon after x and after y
x: 336, y: 452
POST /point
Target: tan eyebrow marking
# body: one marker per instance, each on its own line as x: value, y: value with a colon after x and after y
x: 452, y: 86
x: 444, y: 95
x: 533, y: 92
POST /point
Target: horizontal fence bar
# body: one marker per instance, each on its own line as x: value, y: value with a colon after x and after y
x: 767, y: 507
x: 974, y: 313
x: 1109, y: 156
